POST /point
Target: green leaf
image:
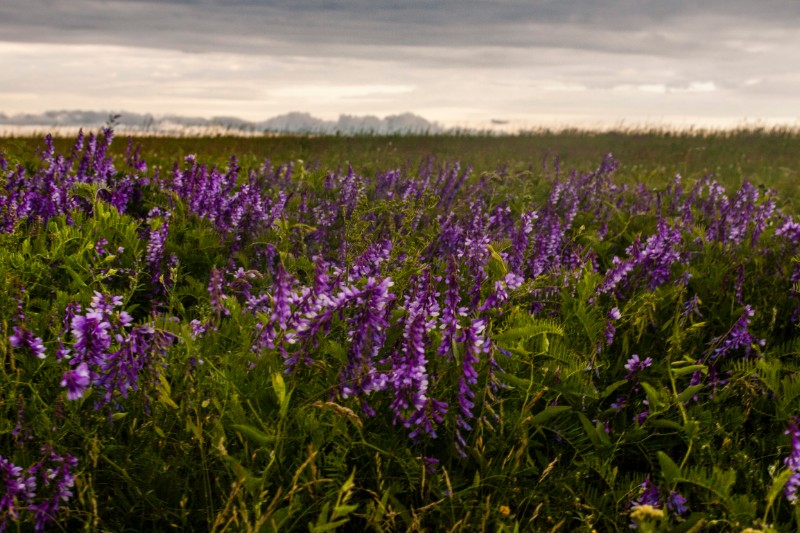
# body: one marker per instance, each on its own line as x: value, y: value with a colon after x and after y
x: 511, y: 379
x: 284, y: 409
x: 77, y: 278
x: 591, y: 430
x: 344, y: 510
x: 653, y: 397
x: 777, y: 486
x: 255, y: 435
x: 526, y: 332
x: 548, y: 413
x: 611, y: 388
x: 330, y: 526
x: 689, y: 392
x: 669, y: 469
x: 279, y: 386
x: 165, y: 392
x: 664, y: 423
x: 496, y: 263
x: 691, y: 369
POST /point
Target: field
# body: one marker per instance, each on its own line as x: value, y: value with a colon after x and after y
x: 421, y: 333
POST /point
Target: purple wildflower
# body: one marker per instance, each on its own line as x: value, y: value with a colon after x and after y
x: 156, y: 242
x: 635, y: 365
x: 76, y: 381
x: 692, y: 307
x: 451, y: 312
x: 614, y: 314
x: 409, y: 376
x: 738, y: 337
x: 650, y: 494
x: 619, y: 404
x: 792, y: 462
x: 91, y: 334
x: 474, y: 345
x: 640, y: 418
x: 198, y: 329
x: 676, y: 504
x: 430, y: 464
x: 216, y: 284
x: 22, y: 338
x: 281, y: 310
x: 38, y: 490
x: 18, y: 490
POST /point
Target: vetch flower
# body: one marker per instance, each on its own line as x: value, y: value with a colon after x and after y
x: 76, y: 381
x: 22, y: 338
x: 792, y: 462
x: 650, y: 494
x: 91, y: 334
x: 635, y: 365
x: 676, y: 504
x: 738, y: 337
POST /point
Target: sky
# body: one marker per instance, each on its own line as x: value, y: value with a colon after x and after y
x: 459, y: 63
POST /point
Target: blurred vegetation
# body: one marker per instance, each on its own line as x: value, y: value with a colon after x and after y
x: 764, y: 156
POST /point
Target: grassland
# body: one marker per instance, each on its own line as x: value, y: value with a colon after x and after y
x: 365, y: 335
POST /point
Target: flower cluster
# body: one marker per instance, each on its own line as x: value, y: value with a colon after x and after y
x: 653, y: 496
x: 22, y: 338
x: 792, y: 461
x: 108, y: 352
x: 737, y: 338
x: 36, y: 492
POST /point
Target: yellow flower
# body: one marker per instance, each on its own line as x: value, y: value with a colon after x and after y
x: 644, y: 512
x: 505, y: 510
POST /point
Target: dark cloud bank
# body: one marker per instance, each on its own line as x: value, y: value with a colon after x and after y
x: 294, y: 122
x: 367, y: 28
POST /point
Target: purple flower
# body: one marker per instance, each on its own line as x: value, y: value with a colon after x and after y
x: 409, y: 375
x: 215, y: 288
x: 635, y: 365
x: 619, y: 404
x: 430, y: 464
x: 156, y: 243
x: 650, y: 263
x: 198, y: 329
x: 650, y: 494
x: 76, y: 381
x: 792, y: 462
x: 474, y: 345
x: 692, y: 307
x: 451, y: 312
x: 38, y: 490
x: 22, y: 338
x: 738, y: 337
x: 105, y: 303
x: 609, y: 332
x: 91, y: 334
x: 281, y: 297
x: 676, y: 503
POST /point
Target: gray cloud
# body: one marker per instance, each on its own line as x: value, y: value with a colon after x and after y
x: 446, y: 59
x: 304, y: 27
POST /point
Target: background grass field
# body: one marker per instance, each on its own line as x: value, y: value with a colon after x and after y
x: 605, y: 364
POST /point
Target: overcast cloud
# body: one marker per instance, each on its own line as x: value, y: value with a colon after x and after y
x: 459, y: 63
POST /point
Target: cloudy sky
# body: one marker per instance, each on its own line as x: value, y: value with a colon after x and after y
x: 460, y: 63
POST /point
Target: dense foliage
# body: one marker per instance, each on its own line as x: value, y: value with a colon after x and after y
x: 285, y: 347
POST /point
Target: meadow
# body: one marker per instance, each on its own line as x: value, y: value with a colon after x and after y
x: 566, y: 331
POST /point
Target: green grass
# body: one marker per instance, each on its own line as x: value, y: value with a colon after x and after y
x: 763, y: 156
x: 235, y: 443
